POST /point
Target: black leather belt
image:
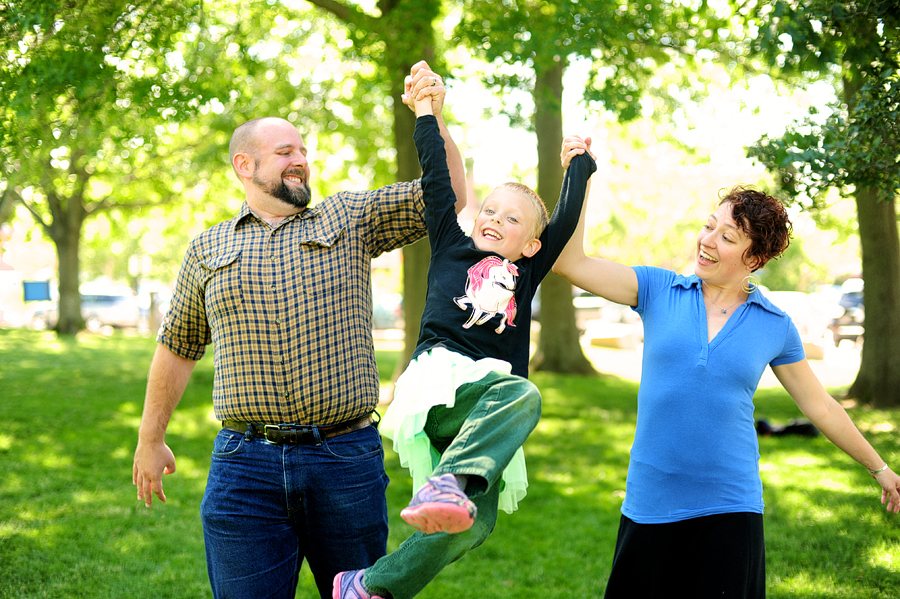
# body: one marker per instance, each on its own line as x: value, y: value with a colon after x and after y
x: 293, y: 434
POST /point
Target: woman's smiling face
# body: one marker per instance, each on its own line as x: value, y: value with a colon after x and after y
x: 721, y: 249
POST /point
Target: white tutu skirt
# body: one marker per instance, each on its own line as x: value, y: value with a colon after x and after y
x: 432, y: 380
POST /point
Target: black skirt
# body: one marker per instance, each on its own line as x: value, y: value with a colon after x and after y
x: 720, y: 556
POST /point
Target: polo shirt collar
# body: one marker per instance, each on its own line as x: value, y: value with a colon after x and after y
x: 756, y: 297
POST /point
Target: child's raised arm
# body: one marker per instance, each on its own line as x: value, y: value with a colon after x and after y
x: 419, y: 94
x: 423, y: 84
x: 611, y: 280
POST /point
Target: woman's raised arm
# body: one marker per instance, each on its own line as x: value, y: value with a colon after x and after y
x: 611, y: 280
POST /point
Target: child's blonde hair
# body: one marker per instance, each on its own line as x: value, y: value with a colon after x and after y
x: 542, y: 219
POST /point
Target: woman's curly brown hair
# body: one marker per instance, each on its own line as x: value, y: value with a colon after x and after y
x: 763, y: 219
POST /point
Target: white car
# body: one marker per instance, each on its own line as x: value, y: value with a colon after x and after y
x: 810, y: 317
x: 117, y: 310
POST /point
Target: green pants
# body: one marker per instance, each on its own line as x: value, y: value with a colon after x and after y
x: 477, y: 437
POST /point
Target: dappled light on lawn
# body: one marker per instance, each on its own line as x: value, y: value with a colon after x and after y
x: 72, y: 527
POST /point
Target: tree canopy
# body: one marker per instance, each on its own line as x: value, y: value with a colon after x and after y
x: 530, y: 43
x: 857, y: 46
x: 115, y: 107
x: 853, y: 148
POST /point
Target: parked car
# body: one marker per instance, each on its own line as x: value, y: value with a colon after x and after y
x: 810, y: 317
x: 589, y: 308
x: 587, y: 305
x: 850, y: 323
x: 116, y: 309
x: 387, y: 310
x: 43, y: 315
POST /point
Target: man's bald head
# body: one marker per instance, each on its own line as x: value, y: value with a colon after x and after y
x: 268, y: 156
x: 244, y: 141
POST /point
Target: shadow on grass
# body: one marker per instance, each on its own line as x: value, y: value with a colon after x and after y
x: 827, y: 534
x: 70, y: 525
x: 827, y: 542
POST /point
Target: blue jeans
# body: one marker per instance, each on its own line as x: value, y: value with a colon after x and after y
x: 268, y: 507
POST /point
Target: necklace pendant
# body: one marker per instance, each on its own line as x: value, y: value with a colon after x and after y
x: 724, y: 311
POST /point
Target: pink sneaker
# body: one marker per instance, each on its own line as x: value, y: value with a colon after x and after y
x: 348, y: 585
x: 440, y: 506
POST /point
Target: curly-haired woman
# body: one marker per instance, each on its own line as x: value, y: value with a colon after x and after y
x: 692, y: 516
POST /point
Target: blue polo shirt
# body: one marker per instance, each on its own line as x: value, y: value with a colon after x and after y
x: 695, y: 449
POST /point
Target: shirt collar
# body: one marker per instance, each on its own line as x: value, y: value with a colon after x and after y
x: 245, y: 212
x: 756, y: 297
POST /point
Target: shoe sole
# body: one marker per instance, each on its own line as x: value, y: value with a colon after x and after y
x: 430, y: 518
x: 336, y: 586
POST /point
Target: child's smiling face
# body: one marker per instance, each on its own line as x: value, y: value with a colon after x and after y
x: 506, y: 225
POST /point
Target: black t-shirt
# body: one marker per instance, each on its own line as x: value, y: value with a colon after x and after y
x: 478, y: 303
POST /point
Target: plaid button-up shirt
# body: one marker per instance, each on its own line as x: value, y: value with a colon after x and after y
x: 289, y: 307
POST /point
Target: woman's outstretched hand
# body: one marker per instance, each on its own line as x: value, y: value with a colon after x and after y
x: 572, y: 146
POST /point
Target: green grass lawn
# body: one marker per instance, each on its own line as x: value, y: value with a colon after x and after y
x: 71, y: 527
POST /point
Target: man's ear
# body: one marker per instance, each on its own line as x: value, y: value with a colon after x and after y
x: 531, y: 248
x: 243, y: 165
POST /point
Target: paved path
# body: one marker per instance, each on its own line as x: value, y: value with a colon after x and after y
x: 837, y: 369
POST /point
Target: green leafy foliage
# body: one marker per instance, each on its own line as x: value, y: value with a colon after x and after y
x: 121, y: 112
x: 845, y: 150
x: 853, y: 149
x: 628, y: 44
x: 855, y: 45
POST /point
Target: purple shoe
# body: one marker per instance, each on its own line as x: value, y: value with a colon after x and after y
x: 440, y: 506
x: 348, y: 585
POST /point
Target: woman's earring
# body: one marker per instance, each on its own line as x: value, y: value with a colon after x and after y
x: 749, y: 284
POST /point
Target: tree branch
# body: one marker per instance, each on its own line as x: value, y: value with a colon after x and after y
x: 35, y: 215
x: 386, y: 6
x: 341, y: 11
x: 348, y: 14
x: 7, y: 201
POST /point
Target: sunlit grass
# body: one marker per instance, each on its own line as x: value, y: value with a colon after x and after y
x: 70, y: 524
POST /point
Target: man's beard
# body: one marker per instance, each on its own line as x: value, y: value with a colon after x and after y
x: 298, y: 198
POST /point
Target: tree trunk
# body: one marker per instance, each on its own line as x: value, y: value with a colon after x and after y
x: 66, y: 236
x: 417, y: 256
x: 878, y: 380
x: 7, y: 204
x: 558, y: 347
x: 407, y: 30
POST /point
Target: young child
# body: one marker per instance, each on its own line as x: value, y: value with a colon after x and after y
x: 464, y: 406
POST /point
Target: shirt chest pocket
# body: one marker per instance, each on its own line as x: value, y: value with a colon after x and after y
x: 324, y: 263
x: 224, y: 290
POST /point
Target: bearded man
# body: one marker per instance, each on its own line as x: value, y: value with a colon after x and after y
x: 283, y: 290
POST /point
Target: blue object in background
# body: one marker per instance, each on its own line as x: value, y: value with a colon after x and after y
x: 35, y: 291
